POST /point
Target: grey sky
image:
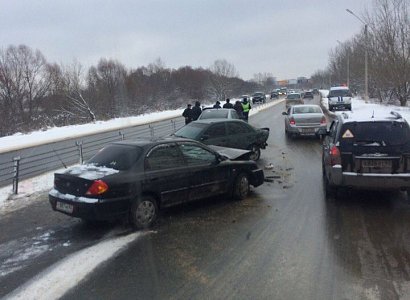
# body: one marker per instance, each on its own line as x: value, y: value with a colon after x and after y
x: 286, y: 38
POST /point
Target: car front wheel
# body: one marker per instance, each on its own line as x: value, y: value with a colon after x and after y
x: 143, y: 212
x: 255, y: 153
x: 241, y: 187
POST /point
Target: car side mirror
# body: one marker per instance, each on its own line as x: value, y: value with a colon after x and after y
x: 284, y: 113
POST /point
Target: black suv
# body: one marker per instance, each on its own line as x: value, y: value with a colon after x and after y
x: 258, y: 97
x: 367, y: 152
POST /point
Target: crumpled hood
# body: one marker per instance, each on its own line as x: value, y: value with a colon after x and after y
x: 232, y: 153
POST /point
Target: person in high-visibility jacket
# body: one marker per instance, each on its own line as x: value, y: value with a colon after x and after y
x: 246, y: 106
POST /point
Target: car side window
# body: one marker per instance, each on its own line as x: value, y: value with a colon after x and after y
x: 237, y: 128
x: 164, y: 157
x: 196, y: 155
x: 216, y: 130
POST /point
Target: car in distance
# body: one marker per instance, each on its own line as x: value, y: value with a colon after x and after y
x: 134, y: 179
x: 258, y: 97
x: 339, y: 97
x: 305, y: 120
x: 227, y: 133
x: 293, y: 99
x: 274, y: 95
x: 218, y: 113
x: 308, y: 95
x: 367, y: 152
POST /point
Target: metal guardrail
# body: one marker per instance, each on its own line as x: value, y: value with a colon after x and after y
x: 30, y: 162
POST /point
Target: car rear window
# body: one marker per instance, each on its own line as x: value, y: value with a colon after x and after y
x: 293, y: 96
x: 118, y: 157
x: 375, y: 133
x: 214, y: 114
x: 306, y: 110
x: 191, y: 131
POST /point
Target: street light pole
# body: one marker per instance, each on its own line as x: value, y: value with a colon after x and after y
x: 366, y: 86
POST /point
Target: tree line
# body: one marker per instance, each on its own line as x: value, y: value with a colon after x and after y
x: 388, y: 47
x: 36, y: 94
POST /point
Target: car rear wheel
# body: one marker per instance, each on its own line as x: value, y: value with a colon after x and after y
x: 241, y: 187
x: 143, y: 212
x: 255, y: 153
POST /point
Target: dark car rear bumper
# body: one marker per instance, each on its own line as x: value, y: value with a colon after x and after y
x: 107, y: 210
x: 258, y: 177
x: 369, y: 180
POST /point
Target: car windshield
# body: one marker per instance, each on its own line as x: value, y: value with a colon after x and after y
x: 191, y: 131
x: 293, y: 96
x: 306, y: 110
x: 375, y: 133
x: 214, y: 114
x: 118, y: 157
x: 258, y: 94
x: 340, y: 93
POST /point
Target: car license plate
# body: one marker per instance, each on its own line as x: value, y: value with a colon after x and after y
x: 308, y: 130
x: 65, y: 207
x: 377, y: 163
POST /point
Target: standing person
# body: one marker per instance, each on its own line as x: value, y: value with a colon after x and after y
x: 217, y: 104
x: 196, y: 111
x: 246, y: 108
x: 187, y: 114
x: 227, y: 104
x: 239, y: 109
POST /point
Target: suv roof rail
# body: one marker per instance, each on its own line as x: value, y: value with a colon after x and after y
x: 396, y: 114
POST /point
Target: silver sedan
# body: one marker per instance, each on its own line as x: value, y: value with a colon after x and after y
x: 301, y: 120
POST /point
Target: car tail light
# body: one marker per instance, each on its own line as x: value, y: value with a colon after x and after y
x: 292, y: 121
x: 323, y: 121
x: 335, y: 158
x: 97, y: 188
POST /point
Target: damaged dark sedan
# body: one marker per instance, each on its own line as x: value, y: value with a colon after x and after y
x: 134, y: 179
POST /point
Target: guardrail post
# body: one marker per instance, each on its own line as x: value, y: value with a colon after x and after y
x: 174, y: 127
x: 79, y: 145
x: 151, y: 129
x: 122, y: 135
x: 16, y: 164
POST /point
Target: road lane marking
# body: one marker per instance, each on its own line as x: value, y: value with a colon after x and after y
x: 59, y: 278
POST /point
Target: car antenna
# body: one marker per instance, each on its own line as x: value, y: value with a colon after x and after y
x: 59, y: 158
x: 373, y: 114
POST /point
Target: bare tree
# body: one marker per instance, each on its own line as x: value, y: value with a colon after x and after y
x: 220, y: 81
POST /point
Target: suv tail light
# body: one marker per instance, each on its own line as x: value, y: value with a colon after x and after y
x: 335, y: 158
x: 323, y: 121
x: 97, y: 188
x: 292, y: 121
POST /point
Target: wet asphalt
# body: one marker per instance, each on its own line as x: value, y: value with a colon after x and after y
x: 285, y: 241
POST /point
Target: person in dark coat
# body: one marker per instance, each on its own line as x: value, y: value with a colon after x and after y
x: 187, y: 114
x: 239, y: 109
x: 196, y: 111
x: 217, y: 104
x: 228, y: 104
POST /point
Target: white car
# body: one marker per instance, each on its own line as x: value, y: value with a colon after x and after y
x: 339, y: 97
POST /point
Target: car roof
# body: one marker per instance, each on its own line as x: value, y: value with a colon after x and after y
x: 306, y: 105
x: 211, y: 121
x: 142, y: 142
x: 370, y: 116
x: 217, y: 108
x: 333, y: 88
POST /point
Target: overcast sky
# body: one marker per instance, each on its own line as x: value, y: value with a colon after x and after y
x: 286, y: 38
